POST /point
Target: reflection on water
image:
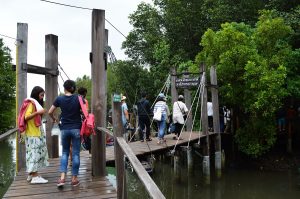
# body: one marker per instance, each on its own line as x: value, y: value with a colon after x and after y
x: 179, y: 180
x: 7, y: 163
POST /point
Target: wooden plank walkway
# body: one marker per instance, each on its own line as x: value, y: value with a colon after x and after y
x: 143, y: 148
x: 89, y: 187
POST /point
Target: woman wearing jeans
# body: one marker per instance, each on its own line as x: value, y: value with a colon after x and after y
x: 163, y: 107
x: 70, y: 124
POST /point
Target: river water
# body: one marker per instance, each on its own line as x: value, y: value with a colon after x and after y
x: 180, y: 181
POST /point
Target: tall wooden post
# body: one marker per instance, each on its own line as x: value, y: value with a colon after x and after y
x: 204, y: 118
x: 98, y: 92
x: 216, y: 120
x: 119, y: 155
x: 51, y: 62
x: 174, y: 93
x: 188, y: 100
x: 21, y: 88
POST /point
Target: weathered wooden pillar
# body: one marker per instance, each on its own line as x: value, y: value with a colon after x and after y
x: 51, y: 62
x: 204, y: 120
x: 176, y: 167
x: 119, y: 155
x: 98, y: 92
x: 174, y: 93
x: 216, y: 120
x: 21, y: 87
x: 188, y: 100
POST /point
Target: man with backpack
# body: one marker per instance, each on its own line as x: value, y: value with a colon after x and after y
x: 144, y: 114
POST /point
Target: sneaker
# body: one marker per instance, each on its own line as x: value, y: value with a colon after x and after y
x: 75, y: 183
x: 61, y: 182
x: 38, y: 180
x: 148, y: 139
x: 29, y: 178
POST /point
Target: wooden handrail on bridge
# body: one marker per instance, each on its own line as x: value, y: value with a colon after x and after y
x: 151, y: 187
x: 8, y: 133
x: 149, y: 184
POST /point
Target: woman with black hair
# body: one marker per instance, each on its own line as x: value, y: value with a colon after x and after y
x: 32, y: 131
x: 70, y: 124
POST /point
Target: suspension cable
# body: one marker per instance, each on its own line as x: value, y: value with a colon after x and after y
x: 198, y: 89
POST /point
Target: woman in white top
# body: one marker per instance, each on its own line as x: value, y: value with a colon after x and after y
x: 162, y: 107
x: 179, y: 110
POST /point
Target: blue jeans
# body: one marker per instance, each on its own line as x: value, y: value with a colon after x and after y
x: 66, y: 137
x: 161, y: 126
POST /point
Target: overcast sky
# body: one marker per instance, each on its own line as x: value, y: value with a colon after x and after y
x: 71, y: 25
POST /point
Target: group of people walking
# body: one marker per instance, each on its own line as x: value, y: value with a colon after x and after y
x: 161, y: 115
x: 32, y: 132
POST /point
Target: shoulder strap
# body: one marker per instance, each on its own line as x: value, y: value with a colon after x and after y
x: 83, y: 108
x: 180, y: 108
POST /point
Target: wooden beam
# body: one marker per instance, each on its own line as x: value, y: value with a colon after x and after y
x: 51, y: 64
x: 119, y: 155
x: 7, y: 133
x: 21, y: 88
x: 53, y: 70
x: 204, y: 118
x: 98, y: 92
x: 174, y: 93
x: 216, y: 120
x: 188, y: 102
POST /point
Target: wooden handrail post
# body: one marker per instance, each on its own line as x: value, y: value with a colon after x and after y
x: 21, y: 75
x: 119, y: 155
x: 204, y: 121
x: 51, y: 62
x: 216, y: 120
x: 188, y: 102
x: 174, y: 93
x: 98, y: 92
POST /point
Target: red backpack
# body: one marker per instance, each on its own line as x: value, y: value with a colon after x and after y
x: 88, y: 123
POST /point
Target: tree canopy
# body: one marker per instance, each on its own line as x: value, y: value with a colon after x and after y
x: 7, y: 89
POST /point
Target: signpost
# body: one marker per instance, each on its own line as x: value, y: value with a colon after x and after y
x: 187, y: 82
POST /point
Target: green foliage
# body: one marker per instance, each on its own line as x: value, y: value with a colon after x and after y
x: 252, y: 72
x: 257, y: 136
x: 85, y: 82
x: 130, y: 79
x: 7, y: 89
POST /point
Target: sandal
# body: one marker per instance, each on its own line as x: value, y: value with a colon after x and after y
x: 61, y: 182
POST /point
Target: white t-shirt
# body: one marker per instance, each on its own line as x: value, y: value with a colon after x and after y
x: 209, y: 109
x: 179, y: 108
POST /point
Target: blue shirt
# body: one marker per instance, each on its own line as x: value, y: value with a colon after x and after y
x: 70, y: 117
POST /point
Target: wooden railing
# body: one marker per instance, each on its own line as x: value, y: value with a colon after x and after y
x: 7, y: 134
x: 143, y: 175
x: 122, y: 150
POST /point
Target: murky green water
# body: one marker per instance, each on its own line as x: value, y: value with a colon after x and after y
x: 7, y: 163
x: 186, y: 182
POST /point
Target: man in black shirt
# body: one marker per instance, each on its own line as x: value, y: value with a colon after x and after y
x: 144, y: 113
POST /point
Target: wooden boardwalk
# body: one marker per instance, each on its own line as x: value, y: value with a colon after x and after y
x: 89, y: 187
x: 144, y: 148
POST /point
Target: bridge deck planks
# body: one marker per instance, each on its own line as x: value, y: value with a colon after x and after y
x: 90, y: 187
x: 144, y: 148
